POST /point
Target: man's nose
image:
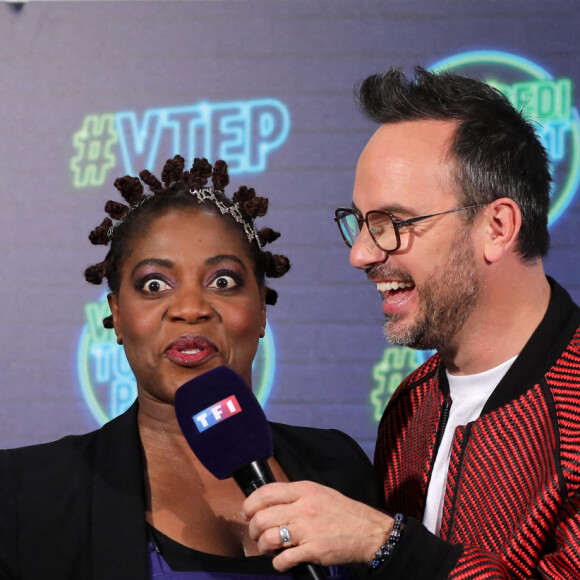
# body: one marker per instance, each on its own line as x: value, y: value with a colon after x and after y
x: 365, y: 252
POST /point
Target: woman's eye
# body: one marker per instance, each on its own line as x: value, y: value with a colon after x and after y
x: 154, y: 285
x: 224, y: 282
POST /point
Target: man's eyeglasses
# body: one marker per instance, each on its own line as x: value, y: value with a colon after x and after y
x: 383, y: 226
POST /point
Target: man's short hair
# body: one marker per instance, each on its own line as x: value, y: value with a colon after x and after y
x: 497, y: 151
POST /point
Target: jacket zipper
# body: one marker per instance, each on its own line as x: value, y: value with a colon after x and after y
x: 445, y: 409
x: 457, y: 489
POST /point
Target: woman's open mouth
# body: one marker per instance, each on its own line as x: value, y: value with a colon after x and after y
x: 191, y: 350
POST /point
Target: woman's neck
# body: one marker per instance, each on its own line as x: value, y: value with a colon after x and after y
x: 184, y: 500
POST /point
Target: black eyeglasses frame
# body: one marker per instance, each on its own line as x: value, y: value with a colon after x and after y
x: 396, y: 223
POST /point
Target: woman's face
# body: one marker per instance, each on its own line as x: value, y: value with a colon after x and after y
x: 188, y: 302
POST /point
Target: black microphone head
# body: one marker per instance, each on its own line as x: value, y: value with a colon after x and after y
x: 223, y: 422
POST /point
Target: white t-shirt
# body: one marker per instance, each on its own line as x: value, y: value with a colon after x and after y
x: 469, y: 394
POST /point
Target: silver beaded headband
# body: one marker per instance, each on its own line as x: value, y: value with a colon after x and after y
x: 205, y: 194
x: 208, y: 194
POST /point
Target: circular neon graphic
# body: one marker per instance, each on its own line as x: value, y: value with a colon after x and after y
x: 544, y: 100
x: 107, y: 382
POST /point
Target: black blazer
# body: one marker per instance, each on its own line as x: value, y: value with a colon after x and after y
x: 75, y: 508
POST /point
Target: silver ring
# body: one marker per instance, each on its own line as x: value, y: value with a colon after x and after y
x: 285, y: 535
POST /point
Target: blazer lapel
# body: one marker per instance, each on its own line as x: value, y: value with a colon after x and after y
x: 119, y: 529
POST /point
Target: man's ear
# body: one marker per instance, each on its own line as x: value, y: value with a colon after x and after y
x: 503, y: 221
x: 113, y: 300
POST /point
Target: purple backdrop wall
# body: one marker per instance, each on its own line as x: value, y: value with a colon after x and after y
x: 267, y: 85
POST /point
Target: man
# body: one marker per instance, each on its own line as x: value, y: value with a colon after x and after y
x: 479, y: 448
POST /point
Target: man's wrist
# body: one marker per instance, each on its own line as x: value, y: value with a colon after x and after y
x: 374, y: 535
x: 384, y: 552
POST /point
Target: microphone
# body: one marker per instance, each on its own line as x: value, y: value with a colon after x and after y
x: 226, y: 428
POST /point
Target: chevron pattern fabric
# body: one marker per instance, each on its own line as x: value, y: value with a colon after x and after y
x: 513, y: 491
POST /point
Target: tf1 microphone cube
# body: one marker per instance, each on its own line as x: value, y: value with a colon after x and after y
x: 218, y: 412
x: 223, y: 422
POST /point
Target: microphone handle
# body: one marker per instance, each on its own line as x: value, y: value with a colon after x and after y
x: 308, y: 572
x: 254, y: 475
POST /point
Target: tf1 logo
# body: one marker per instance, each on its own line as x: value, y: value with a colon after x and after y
x: 218, y: 412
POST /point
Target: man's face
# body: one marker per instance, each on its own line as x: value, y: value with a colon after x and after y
x: 430, y: 285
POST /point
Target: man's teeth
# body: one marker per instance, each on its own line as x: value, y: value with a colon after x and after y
x: 388, y: 286
x: 191, y: 351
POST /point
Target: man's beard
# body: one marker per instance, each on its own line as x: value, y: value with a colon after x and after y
x: 447, y: 300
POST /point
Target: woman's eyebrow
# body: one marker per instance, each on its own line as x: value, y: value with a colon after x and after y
x: 225, y: 258
x: 168, y: 264
x: 164, y: 263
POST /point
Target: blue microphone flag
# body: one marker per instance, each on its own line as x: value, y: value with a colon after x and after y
x: 223, y: 422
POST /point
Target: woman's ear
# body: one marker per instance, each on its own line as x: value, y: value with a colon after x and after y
x: 113, y: 301
x: 263, y: 293
x: 503, y: 221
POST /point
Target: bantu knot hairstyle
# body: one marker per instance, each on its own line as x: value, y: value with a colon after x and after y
x: 177, y: 189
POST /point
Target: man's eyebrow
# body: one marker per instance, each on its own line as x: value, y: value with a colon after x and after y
x: 396, y: 209
x: 401, y: 210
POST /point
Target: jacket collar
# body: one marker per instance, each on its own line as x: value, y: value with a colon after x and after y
x: 291, y: 459
x: 119, y: 530
x: 547, y: 343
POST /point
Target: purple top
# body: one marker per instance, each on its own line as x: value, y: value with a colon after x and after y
x: 195, y: 565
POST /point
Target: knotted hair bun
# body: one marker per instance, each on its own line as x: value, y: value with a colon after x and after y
x: 244, y: 207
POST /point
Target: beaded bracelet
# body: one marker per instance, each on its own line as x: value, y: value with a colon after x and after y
x: 386, y: 549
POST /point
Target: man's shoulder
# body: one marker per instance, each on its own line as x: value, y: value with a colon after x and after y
x: 427, y: 371
x: 418, y: 384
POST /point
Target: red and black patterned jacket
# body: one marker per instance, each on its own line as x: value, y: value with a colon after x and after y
x: 512, y: 502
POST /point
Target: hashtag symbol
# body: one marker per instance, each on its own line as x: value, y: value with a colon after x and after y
x: 388, y: 373
x: 94, y: 157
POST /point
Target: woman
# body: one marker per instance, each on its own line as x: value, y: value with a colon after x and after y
x: 186, y: 273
